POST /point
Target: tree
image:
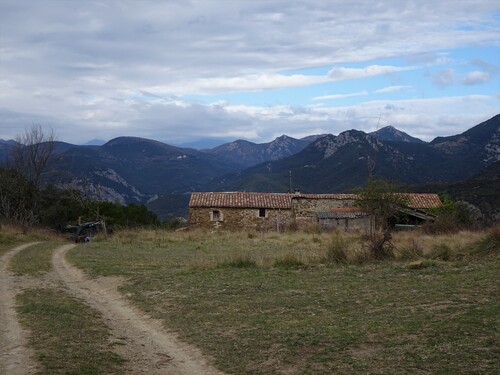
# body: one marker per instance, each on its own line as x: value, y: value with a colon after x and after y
x: 382, y: 201
x: 454, y: 217
x: 20, y: 191
x: 32, y: 152
x: 17, y: 197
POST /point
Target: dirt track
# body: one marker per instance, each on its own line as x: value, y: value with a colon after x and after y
x: 15, y: 357
x: 142, y: 341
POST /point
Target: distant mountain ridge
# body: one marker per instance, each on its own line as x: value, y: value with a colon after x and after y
x: 244, y: 154
x: 340, y: 163
x: 138, y: 170
x: 390, y: 133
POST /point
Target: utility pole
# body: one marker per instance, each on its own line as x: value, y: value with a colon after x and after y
x: 290, y: 176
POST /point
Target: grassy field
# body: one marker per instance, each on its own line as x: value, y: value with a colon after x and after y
x: 275, y: 303
x: 67, y: 336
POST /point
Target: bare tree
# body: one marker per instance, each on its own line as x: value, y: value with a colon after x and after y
x: 32, y: 152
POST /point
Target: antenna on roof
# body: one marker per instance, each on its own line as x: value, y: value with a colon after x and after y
x: 290, y: 176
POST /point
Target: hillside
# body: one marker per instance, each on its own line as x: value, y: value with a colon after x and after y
x: 340, y: 163
x: 243, y: 154
x: 131, y: 169
x: 482, y: 190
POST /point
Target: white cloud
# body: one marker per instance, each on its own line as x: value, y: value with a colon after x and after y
x: 207, y: 86
x: 392, y: 89
x: 340, y: 96
x: 476, y: 78
x: 97, y: 69
x: 258, y: 82
x: 341, y: 73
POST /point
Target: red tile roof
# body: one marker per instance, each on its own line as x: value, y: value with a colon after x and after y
x: 280, y: 200
x: 241, y: 200
x: 416, y: 200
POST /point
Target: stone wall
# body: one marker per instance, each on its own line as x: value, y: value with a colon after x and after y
x: 304, y: 212
x: 239, y: 219
x: 305, y: 209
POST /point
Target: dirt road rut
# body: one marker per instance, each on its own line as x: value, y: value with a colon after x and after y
x: 15, y: 357
x: 147, y: 346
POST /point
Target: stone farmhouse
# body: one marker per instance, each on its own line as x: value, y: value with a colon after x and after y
x: 275, y: 211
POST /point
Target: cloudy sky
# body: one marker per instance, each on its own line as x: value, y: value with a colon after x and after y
x: 180, y: 70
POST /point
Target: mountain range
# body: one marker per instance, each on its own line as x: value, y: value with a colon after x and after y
x: 137, y: 170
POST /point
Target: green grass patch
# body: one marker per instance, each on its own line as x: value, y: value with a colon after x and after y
x: 293, y: 314
x: 288, y: 262
x: 67, y: 336
x: 34, y: 260
x: 239, y: 262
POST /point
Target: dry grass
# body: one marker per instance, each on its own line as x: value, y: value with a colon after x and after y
x: 271, y: 303
x: 266, y: 249
x: 12, y: 235
x: 417, y: 244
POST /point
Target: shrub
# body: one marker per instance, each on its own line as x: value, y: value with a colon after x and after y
x: 337, y: 249
x: 378, y: 245
x: 453, y: 217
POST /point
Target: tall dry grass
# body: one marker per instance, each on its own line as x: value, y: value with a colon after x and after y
x: 200, y: 249
x: 11, y: 233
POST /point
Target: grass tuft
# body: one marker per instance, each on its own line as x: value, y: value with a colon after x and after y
x: 490, y: 244
x: 68, y: 336
x: 239, y: 262
x: 337, y: 249
x: 288, y: 262
x: 414, y: 250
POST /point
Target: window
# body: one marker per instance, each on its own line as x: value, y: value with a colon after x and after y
x: 262, y: 212
x: 215, y: 215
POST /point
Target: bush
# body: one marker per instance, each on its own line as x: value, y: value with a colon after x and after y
x: 378, y: 245
x: 337, y: 249
x: 453, y: 217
